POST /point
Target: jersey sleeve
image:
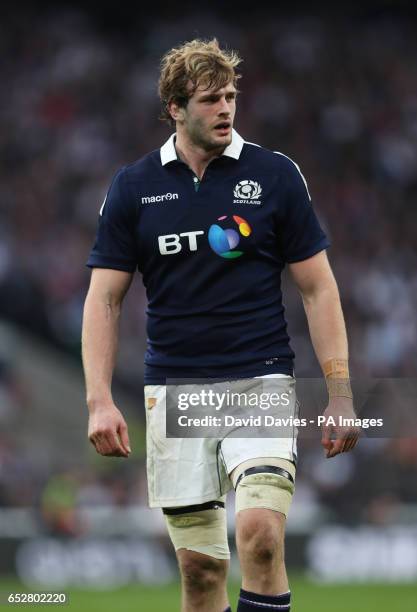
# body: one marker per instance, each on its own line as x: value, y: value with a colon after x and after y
x: 299, y: 232
x: 115, y: 245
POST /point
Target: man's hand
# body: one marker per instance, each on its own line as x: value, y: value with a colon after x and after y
x: 107, y: 431
x: 346, y: 436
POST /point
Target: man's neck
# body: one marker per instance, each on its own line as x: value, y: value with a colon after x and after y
x: 194, y: 156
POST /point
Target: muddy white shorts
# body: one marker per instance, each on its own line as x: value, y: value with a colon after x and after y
x: 188, y: 471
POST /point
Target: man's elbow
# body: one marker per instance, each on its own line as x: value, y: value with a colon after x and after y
x: 103, y: 299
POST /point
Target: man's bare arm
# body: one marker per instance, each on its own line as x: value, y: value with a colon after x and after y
x: 107, y: 429
x: 318, y: 288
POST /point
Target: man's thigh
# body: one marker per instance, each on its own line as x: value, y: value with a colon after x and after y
x: 180, y: 471
x: 264, y: 482
x: 235, y: 450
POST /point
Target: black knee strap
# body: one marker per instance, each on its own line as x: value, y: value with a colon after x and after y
x: 211, y: 505
x: 262, y: 469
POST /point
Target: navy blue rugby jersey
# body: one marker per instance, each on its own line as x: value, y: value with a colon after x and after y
x: 211, y: 256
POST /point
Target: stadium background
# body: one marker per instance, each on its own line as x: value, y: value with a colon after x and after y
x: 335, y: 91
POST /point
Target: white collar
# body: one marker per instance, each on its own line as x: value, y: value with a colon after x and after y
x: 169, y: 154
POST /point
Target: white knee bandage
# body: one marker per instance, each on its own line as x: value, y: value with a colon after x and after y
x: 264, y: 483
x: 203, y: 531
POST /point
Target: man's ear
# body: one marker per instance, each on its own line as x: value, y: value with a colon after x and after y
x: 177, y: 112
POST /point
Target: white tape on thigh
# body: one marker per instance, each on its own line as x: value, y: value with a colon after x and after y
x: 265, y: 489
x: 204, y: 532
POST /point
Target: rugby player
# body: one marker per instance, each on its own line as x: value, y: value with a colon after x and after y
x: 210, y: 221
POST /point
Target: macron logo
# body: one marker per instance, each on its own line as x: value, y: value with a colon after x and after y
x: 160, y: 198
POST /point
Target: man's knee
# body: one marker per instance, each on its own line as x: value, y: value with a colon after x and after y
x: 201, y: 573
x: 260, y: 535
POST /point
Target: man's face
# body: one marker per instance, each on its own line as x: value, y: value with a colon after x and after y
x: 208, y: 117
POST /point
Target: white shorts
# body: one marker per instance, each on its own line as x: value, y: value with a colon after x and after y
x: 187, y: 471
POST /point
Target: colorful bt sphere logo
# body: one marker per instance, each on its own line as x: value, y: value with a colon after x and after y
x: 222, y: 241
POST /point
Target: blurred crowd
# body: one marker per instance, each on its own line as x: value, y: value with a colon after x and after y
x: 338, y: 95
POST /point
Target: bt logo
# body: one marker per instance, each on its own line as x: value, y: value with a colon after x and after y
x: 171, y: 243
x: 221, y: 240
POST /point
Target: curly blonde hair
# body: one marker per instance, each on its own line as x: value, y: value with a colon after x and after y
x: 200, y: 61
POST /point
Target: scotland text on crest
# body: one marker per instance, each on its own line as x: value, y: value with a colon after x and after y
x: 247, y: 192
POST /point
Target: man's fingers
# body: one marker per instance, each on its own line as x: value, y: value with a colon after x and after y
x: 337, y: 446
x: 351, y: 441
x: 102, y: 446
x: 326, y: 441
x: 124, y: 437
x: 107, y: 443
x: 346, y: 436
x: 108, y: 433
x: 344, y: 442
x: 118, y: 447
x: 107, y: 451
x: 349, y: 444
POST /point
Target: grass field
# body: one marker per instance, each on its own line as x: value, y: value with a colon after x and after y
x: 307, y: 597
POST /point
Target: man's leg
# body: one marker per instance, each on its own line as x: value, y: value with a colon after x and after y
x: 264, y: 490
x: 198, y: 532
x: 203, y: 582
x: 199, y: 535
x: 260, y: 545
